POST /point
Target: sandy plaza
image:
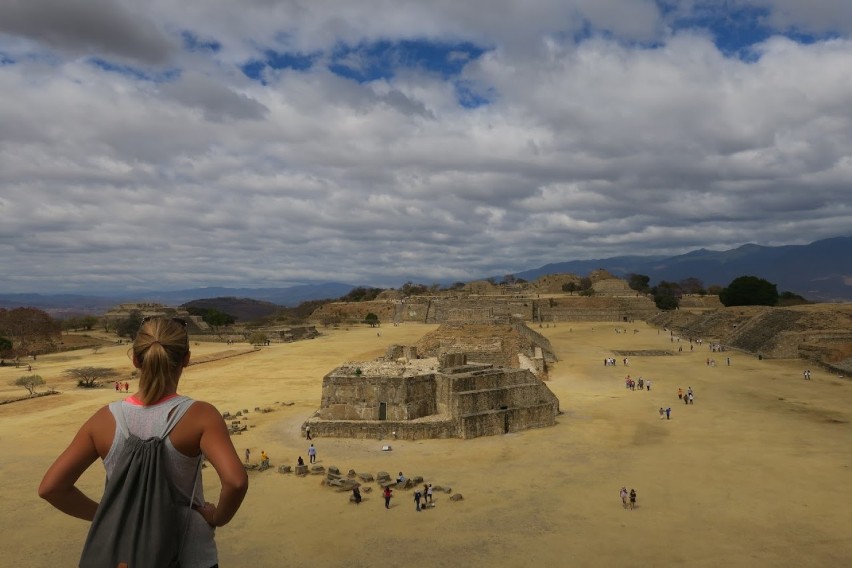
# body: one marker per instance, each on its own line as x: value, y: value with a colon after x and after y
x: 755, y: 473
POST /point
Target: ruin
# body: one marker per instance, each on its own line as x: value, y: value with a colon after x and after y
x: 445, y: 397
x: 461, y: 381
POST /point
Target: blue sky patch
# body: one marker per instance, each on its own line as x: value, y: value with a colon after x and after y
x: 277, y: 60
x: 133, y: 72
x: 382, y: 59
x: 193, y: 43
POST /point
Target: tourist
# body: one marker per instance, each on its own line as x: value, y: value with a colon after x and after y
x: 400, y: 478
x: 668, y: 413
x: 308, y: 432
x: 417, y: 496
x: 264, y: 459
x: 662, y: 412
x: 312, y: 454
x: 356, y: 495
x: 160, y: 352
x: 429, y: 493
x: 388, y: 493
x: 632, y: 499
x: 248, y: 454
x: 679, y: 393
x: 648, y: 384
x: 126, y: 386
x: 690, y: 397
x: 300, y: 461
x: 623, y: 495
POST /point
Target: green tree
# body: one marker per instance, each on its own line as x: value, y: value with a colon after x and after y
x: 129, y: 326
x: 89, y: 322
x: 749, y: 291
x: 5, y: 347
x: 29, y: 382
x: 667, y: 295
x: 88, y: 377
x: 570, y: 287
x: 371, y: 319
x: 638, y: 282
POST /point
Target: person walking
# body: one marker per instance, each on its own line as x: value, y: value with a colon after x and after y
x: 417, y: 496
x: 387, y: 494
x: 632, y: 499
x: 668, y: 413
x: 623, y: 495
x: 248, y: 454
x: 312, y: 454
x: 160, y: 352
x: 308, y: 432
x: 356, y: 495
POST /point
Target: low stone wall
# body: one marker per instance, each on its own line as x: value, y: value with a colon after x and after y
x: 384, y: 429
x: 507, y: 421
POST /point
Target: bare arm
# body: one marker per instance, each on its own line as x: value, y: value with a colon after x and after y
x: 58, y: 485
x: 217, y: 447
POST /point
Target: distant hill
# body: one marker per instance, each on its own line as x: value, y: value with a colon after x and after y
x: 820, y: 271
x: 62, y: 305
x: 242, y: 309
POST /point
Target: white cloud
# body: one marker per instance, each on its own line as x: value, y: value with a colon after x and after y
x: 586, y: 149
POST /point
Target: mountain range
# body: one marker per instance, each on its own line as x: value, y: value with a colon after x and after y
x: 820, y: 271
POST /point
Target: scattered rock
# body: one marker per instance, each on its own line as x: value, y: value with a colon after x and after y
x: 301, y: 470
x: 257, y: 409
x: 366, y: 489
x: 284, y: 469
x: 456, y: 497
x: 250, y: 466
x: 351, y: 473
x: 239, y: 413
x: 226, y: 414
x: 245, y: 410
x: 317, y: 469
x: 417, y: 479
x: 334, y: 469
x: 365, y: 477
x: 383, y: 476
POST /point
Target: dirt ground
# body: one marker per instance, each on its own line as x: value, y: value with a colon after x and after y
x: 755, y: 473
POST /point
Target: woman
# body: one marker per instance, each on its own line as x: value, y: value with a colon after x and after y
x: 160, y: 352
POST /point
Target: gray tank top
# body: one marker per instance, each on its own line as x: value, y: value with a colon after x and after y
x: 199, y: 548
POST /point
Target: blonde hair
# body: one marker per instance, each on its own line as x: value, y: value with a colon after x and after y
x: 159, y: 351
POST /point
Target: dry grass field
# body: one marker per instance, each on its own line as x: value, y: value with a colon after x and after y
x: 756, y: 473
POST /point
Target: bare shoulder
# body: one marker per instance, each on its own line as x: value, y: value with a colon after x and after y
x: 204, y: 412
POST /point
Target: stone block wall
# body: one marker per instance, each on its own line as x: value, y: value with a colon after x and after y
x: 346, y: 397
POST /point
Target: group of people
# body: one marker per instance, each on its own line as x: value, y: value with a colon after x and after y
x: 631, y: 384
x: 688, y: 397
x: 628, y: 500
x: 119, y: 386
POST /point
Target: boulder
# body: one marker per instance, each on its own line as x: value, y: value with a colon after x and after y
x: 417, y: 479
x: 334, y: 469
x: 285, y: 469
x: 383, y: 476
x: 351, y: 473
x: 365, y: 477
x: 301, y: 470
x: 317, y: 469
x: 456, y: 497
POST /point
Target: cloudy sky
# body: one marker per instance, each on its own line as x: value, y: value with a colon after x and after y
x: 168, y: 145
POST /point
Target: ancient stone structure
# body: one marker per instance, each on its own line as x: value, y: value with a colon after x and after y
x: 431, y: 398
x: 613, y: 300
x: 123, y: 311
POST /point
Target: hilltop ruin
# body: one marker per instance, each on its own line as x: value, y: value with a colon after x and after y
x: 461, y: 381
